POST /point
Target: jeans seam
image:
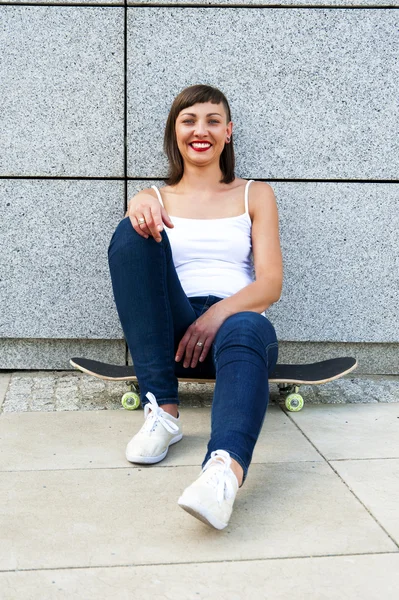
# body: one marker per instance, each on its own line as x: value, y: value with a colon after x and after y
x: 267, y: 349
x: 271, y: 345
x: 205, y: 307
x: 170, y: 325
x: 167, y: 401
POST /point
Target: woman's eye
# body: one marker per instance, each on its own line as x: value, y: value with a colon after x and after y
x: 213, y: 121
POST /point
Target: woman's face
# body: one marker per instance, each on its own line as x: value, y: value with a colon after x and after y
x: 201, y: 132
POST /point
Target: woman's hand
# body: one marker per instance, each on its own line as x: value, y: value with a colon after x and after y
x: 204, y: 330
x: 145, y: 206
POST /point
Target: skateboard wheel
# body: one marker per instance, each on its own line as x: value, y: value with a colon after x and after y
x: 130, y: 400
x: 294, y: 402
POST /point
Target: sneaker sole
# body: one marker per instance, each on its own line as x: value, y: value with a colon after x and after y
x: 150, y: 460
x: 200, y: 513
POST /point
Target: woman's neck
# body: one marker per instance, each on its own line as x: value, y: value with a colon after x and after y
x: 200, y: 178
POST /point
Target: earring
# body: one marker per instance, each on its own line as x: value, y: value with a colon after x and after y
x: 228, y: 139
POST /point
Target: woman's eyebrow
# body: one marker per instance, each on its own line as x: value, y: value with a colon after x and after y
x: 194, y: 115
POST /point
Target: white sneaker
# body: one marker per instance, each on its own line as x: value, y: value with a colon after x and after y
x: 211, y: 497
x: 160, y: 430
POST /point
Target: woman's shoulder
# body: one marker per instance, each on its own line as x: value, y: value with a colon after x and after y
x: 260, y: 191
x: 261, y: 198
x: 260, y: 187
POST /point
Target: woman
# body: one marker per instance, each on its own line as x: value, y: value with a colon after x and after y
x: 188, y: 302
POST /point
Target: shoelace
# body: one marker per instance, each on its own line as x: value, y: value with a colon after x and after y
x: 156, y: 415
x: 220, y: 478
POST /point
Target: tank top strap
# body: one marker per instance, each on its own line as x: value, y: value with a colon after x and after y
x: 246, y: 194
x: 154, y: 187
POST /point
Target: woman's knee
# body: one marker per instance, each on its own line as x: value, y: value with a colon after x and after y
x: 125, y: 232
x: 251, y: 330
x: 125, y: 238
x: 246, y: 327
x: 247, y: 321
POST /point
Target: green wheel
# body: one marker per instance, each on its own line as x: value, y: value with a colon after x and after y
x: 130, y: 400
x: 294, y: 402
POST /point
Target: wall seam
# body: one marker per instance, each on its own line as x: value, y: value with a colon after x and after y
x: 208, y: 6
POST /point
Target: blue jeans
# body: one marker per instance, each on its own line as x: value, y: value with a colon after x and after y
x: 155, y: 313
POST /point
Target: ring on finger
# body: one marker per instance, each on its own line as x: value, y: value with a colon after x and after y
x: 141, y: 220
x: 200, y: 344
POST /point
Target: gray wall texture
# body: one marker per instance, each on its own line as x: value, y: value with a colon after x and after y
x: 85, y: 92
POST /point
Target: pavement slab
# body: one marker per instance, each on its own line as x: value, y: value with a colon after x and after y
x: 376, y: 484
x: 327, y: 578
x: 97, y: 439
x: 351, y: 431
x: 126, y: 517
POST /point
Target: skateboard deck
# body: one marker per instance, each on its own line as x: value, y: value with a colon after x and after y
x: 288, y: 376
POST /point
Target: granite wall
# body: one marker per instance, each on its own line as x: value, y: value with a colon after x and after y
x: 85, y: 92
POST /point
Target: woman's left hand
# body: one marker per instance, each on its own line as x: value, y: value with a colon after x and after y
x: 204, y: 330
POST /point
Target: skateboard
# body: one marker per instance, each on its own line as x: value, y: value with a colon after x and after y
x: 288, y: 377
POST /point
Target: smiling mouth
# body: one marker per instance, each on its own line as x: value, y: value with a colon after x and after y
x: 200, y: 146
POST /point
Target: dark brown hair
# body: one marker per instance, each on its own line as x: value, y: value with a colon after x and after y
x: 188, y: 97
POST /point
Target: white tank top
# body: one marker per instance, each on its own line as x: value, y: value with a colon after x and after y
x: 212, y: 256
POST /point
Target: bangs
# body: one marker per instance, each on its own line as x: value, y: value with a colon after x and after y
x: 200, y: 94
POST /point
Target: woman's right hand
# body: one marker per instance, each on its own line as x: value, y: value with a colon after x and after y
x: 155, y: 215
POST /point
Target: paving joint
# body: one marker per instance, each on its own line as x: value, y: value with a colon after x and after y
x: 151, y: 467
x: 199, y: 562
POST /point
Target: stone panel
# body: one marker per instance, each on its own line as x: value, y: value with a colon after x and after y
x: 371, y: 358
x: 274, y: 3
x: 341, y: 261
x: 66, y: 2
x: 55, y: 354
x: 62, y: 100
x: 55, y: 281
x: 313, y: 92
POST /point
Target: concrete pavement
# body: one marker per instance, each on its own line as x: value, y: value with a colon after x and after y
x: 316, y: 519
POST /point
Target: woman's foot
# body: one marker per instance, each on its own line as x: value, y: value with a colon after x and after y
x: 238, y: 471
x: 171, y: 409
x: 160, y: 430
x: 211, y: 497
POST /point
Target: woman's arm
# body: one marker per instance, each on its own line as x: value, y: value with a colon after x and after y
x: 268, y: 262
x: 146, y: 205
